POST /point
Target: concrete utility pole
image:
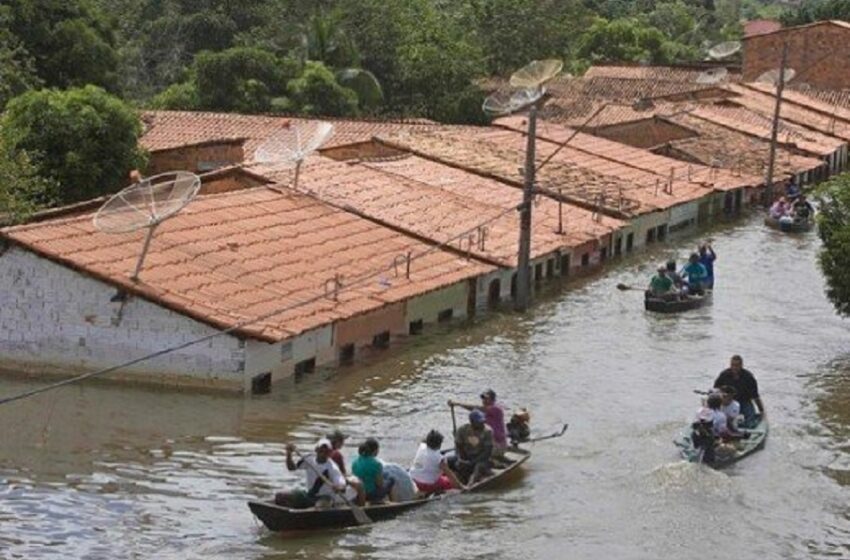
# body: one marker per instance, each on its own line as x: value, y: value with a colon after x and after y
x: 523, y: 275
x: 780, y: 88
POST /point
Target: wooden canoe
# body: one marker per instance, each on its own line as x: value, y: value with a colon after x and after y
x: 283, y: 519
x: 789, y: 227
x: 744, y: 447
x: 685, y: 303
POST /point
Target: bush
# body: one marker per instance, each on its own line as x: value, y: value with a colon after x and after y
x: 316, y: 92
x: 834, y: 230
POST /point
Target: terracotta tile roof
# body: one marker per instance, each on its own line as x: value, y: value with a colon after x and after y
x: 757, y: 125
x: 761, y: 26
x: 799, y: 115
x: 165, y: 130
x: 237, y: 256
x: 582, y: 178
x: 718, y: 179
x: 827, y: 102
x: 440, y: 203
x: 682, y: 74
x: 722, y: 147
x: 835, y: 22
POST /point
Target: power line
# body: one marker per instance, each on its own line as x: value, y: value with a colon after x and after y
x: 355, y: 283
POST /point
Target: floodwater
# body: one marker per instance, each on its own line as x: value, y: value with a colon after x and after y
x: 99, y: 471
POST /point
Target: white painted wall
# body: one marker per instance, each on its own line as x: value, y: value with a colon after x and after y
x: 55, y: 320
x: 279, y: 358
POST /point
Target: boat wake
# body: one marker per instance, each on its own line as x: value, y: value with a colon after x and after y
x: 682, y: 476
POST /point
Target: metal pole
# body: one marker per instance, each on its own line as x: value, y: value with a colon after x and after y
x: 774, y: 133
x: 523, y: 277
x: 145, y: 247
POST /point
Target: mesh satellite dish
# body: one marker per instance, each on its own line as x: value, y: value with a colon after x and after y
x: 772, y: 76
x: 712, y: 76
x: 146, y: 204
x: 293, y: 144
x: 507, y: 101
x: 724, y: 50
x: 536, y: 73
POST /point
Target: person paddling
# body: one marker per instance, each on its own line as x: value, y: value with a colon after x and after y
x: 323, y: 477
x: 494, y: 416
x: 746, y: 390
x: 473, y: 449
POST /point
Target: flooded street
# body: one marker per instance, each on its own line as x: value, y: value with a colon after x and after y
x: 103, y: 471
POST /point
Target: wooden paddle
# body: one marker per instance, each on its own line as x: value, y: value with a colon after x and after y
x: 454, y: 420
x: 626, y: 287
x: 358, y: 512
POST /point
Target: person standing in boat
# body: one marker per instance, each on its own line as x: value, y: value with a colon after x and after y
x: 430, y: 469
x: 319, y: 471
x: 494, y: 416
x: 746, y: 389
x: 707, y: 258
x: 696, y: 274
x: 370, y: 471
x: 473, y: 449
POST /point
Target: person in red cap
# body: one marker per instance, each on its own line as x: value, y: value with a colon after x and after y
x: 494, y: 416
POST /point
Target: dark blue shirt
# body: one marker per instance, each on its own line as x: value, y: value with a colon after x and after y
x: 707, y: 259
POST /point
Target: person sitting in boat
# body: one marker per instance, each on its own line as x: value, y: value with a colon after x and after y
x: 494, y: 416
x: 719, y: 422
x: 746, y: 389
x: 696, y: 274
x: 779, y: 209
x: 730, y: 407
x: 671, y: 273
x: 707, y: 256
x: 473, y: 449
x: 702, y: 434
x: 519, y: 429
x: 793, y: 190
x: 369, y: 470
x: 802, y: 209
x: 337, y: 439
x: 403, y: 489
x: 324, y: 480
x: 661, y: 285
x: 430, y: 469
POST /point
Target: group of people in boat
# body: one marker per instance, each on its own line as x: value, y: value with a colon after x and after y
x: 727, y: 411
x: 793, y: 207
x: 695, y: 277
x: 480, y: 446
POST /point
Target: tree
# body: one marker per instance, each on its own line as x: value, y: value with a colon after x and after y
x: 817, y: 10
x: 22, y: 189
x: 84, y: 139
x: 241, y: 79
x: 625, y: 40
x: 17, y: 72
x: 70, y: 41
x: 834, y: 230
x: 317, y: 92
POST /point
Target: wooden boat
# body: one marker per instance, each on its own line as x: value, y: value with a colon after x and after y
x: 280, y: 518
x: 789, y: 227
x: 685, y: 303
x: 744, y: 447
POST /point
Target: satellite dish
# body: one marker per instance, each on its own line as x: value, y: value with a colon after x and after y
x: 146, y: 204
x: 772, y: 76
x: 506, y: 101
x: 536, y: 73
x: 712, y: 75
x: 724, y: 50
x: 293, y: 144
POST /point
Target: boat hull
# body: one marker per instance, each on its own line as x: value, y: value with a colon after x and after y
x: 678, y: 305
x: 283, y: 519
x: 744, y: 447
x: 789, y: 227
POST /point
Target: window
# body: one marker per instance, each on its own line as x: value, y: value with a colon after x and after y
x: 261, y: 384
x: 304, y: 367
x: 416, y: 327
x: 513, y: 286
x: 538, y: 272
x: 662, y: 233
x: 381, y: 340
x: 585, y: 259
x: 550, y: 268
x: 494, y: 292
x: 630, y: 242
x: 650, y: 235
x: 565, y: 265
x: 445, y: 315
x: 603, y: 254
x: 618, y: 247
x: 346, y: 354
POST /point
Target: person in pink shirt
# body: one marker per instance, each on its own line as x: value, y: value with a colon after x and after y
x: 494, y: 416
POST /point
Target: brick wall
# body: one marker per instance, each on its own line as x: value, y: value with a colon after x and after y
x: 56, y: 321
x: 819, y: 53
x: 197, y: 158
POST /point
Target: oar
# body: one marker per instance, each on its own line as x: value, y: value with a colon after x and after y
x: 454, y: 420
x: 359, y: 515
x: 554, y: 435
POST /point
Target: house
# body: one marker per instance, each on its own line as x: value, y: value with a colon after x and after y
x: 274, y: 282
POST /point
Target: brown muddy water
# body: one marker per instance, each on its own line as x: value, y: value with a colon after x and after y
x: 103, y: 471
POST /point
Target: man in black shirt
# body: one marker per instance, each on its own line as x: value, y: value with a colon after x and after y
x: 746, y: 388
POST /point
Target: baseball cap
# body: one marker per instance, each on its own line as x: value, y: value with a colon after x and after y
x: 476, y: 416
x: 323, y: 442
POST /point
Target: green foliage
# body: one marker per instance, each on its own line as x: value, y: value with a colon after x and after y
x: 84, y: 139
x: 17, y: 72
x: 242, y: 79
x: 625, y: 40
x: 316, y: 92
x: 817, y: 10
x: 22, y: 189
x: 834, y: 229
x: 370, y: 95
x: 70, y: 42
x: 183, y: 96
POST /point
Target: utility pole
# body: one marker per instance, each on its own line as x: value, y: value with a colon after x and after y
x: 523, y: 275
x: 774, y: 133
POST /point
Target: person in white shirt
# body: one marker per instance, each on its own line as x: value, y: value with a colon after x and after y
x: 325, y: 481
x: 730, y: 407
x: 430, y: 470
x: 720, y: 425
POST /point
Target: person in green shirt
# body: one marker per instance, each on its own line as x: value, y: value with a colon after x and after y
x: 696, y: 274
x: 661, y: 285
x: 370, y: 471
